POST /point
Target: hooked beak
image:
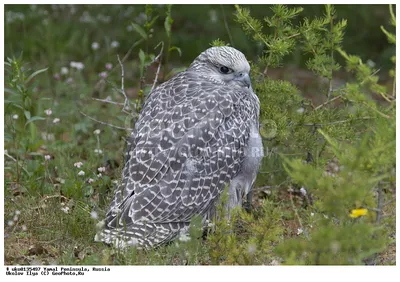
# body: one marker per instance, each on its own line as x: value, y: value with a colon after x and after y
x: 244, y: 78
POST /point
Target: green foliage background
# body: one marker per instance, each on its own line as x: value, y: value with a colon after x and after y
x: 328, y: 155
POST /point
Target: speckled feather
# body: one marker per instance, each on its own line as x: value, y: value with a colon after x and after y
x: 188, y: 143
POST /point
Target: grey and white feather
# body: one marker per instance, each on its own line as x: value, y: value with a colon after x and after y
x: 196, y: 133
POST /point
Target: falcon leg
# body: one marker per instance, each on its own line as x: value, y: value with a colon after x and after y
x: 249, y: 198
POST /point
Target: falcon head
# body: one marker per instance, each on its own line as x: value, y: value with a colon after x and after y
x: 223, y: 65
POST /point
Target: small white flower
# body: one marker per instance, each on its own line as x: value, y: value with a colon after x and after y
x: 95, y: 45
x: 65, y: 209
x: 15, y: 218
x: 15, y: 116
x: 98, y: 151
x: 64, y: 70
x: 78, y: 164
x: 94, y: 215
x: 47, y: 157
x: 48, y: 112
x: 99, y: 175
x: 97, y: 131
x: 10, y: 223
x: 108, y: 66
x: 47, y: 136
x: 101, y: 169
x: 77, y: 65
x: 300, y: 110
x: 312, y: 214
x: 24, y: 228
x: 208, y: 223
x: 17, y: 212
x: 56, y: 120
x: 81, y: 173
x: 90, y: 180
x: 103, y: 74
x: 303, y: 191
x: 80, y: 66
x: 299, y: 231
x: 114, y: 44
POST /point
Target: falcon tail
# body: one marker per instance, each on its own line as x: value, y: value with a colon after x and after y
x: 140, y: 234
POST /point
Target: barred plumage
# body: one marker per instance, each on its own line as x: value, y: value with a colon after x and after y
x: 196, y: 133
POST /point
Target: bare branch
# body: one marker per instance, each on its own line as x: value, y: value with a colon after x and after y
x: 298, y: 216
x: 130, y: 50
x: 127, y: 54
x: 336, y: 122
x: 126, y: 102
x: 108, y: 101
x: 158, y: 58
x: 105, y: 123
x: 227, y: 26
x: 330, y: 90
x: 12, y: 158
x: 327, y: 102
x: 380, y: 204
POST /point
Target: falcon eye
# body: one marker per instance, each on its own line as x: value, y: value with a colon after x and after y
x: 224, y: 69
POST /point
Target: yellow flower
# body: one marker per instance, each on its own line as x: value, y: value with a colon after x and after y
x: 358, y: 212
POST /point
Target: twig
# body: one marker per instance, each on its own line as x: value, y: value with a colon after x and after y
x: 336, y: 122
x: 105, y: 123
x: 380, y: 204
x: 389, y: 202
x: 378, y: 210
x: 297, y: 216
x: 330, y: 90
x: 108, y: 101
x: 272, y: 171
x: 294, y: 35
x: 327, y: 102
x: 227, y: 26
x: 127, y: 54
x: 126, y: 102
x: 130, y: 50
x: 142, y: 79
x: 159, y: 64
x: 378, y: 112
x: 12, y: 158
x: 394, y: 87
x: 373, y: 209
